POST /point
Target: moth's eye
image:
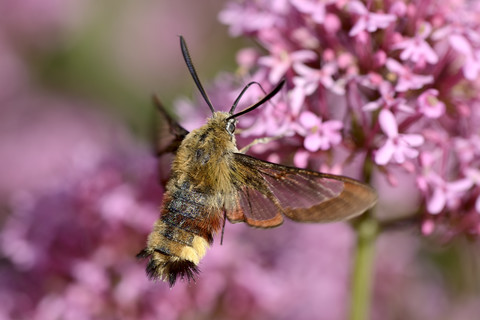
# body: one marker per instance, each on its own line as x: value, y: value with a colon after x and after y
x: 230, y: 126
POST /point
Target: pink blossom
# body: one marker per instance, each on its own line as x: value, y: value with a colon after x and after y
x: 407, y: 80
x: 465, y: 41
x: 311, y: 78
x: 472, y: 65
x: 398, y: 8
x: 274, y: 121
x: 320, y: 135
x: 388, y: 100
x: 397, y: 147
x: 468, y: 150
x: 308, y: 80
x: 368, y: 21
x: 446, y: 194
x: 440, y: 194
x: 282, y: 61
x: 429, y: 105
x: 313, y: 7
x: 417, y: 48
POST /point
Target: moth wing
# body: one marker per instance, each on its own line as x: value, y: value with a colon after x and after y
x: 169, y: 134
x: 167, y: 137
x: 270, y: 190
x: 257, y: 208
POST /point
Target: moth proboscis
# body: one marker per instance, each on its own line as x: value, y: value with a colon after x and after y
x: 210, y: 180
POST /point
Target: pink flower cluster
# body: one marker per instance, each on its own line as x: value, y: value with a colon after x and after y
x: 392, y: 85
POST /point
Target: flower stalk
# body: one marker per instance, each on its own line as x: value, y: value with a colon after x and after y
x: 367, y: 230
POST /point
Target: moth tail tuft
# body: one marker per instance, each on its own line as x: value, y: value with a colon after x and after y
x: 168, y: 268
x: 183, y: 269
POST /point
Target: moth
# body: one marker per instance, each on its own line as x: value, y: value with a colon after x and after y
x: 211, y: 181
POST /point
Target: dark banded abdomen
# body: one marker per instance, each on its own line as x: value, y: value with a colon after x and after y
x: 181, y: 236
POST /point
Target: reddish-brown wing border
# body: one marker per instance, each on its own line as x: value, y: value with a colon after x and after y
x: 299, y: 194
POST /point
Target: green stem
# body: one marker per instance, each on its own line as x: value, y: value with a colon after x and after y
x: 367, y: 231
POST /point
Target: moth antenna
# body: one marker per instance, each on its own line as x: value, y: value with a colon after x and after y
x: 262, y: 101
x: 191, y: 68
x: 223, y: 227
x: 241, y: 94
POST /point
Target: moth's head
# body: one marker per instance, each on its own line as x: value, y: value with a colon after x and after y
x: 224, y: 122
x: 230, y: 125
x: 229, y: 119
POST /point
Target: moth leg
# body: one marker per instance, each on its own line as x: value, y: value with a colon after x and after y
x: 223, y: 227
x: 258, y: 141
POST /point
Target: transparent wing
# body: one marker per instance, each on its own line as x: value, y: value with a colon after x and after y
x: 169, y: 134
x: 167, y: 137
x: 255, y: 208
x: 267, y: 190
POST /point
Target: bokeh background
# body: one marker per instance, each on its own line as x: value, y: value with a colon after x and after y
x: 79, y: 191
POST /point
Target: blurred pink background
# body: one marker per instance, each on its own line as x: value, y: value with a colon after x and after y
x: 78, y: 189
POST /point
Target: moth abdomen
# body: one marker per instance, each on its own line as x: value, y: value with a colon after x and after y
x: 180, y: 237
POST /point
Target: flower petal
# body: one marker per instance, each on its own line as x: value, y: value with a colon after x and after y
x: 309, y: 119
x: 312, y: 142
x: 388, y: 123
x: 437, y: 202
x: 385, y: 153
x: 413, y: 140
